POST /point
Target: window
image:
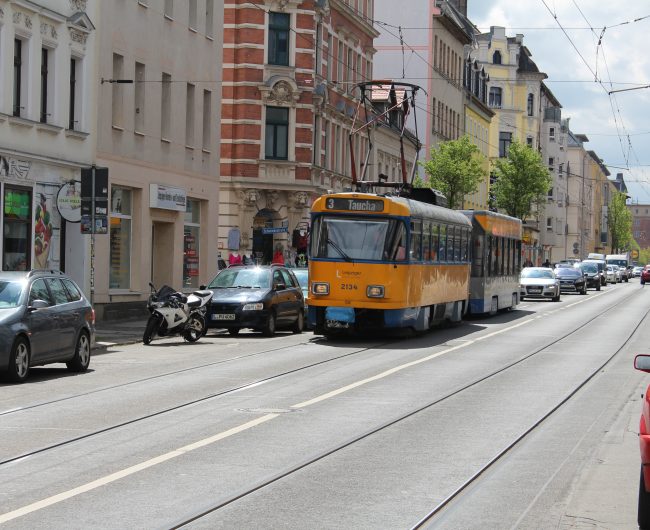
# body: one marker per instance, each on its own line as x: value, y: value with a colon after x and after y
x: 279, y: 38
x: 529, y: 106
x: 74, y: 109
x: 139, y: 88
x: 117, y: 90
x: 416, y: 241
x: 192, y: 232
x: 207, y: 120
x: 330, y: 57
x: 550, y: 194
x: 189, y: 116
x: 551, y: 163
x: 560, y: 169
x: 58, y: 291
x: 496, y: 57
x: 18, y: 77
x: 529, y: 141
x: 39, y: 292
x: 165, y: 105
x: 549, y: 224
x: 17, y: 232
x: 277, y: 133
x: 339, y: 65
x: 316, y: 148
x: 169, y: 9
x: 505, y: 139
x: 73, y: 292
x: 495, y: 97
x: 192, y: 14
x: 209, y: 18
x: 551, y: 134
x: 120, y: 239
x: 46, y: 83
x: 319, y: 52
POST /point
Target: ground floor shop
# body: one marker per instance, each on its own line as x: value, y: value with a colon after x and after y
x: 260, y: 225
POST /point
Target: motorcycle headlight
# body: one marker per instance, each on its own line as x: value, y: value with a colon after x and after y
x: 253, y: 307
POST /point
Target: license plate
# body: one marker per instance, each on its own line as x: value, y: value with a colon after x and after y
x: 535, y: 290
x: 228, y: 316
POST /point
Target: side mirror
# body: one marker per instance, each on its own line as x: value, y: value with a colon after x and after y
x: 642, y: 363
x: 202, y: 287
x: 38, y: 304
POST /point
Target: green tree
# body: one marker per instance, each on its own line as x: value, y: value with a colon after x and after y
x: 619, y: 222
x: 522, y: 181
x: 456, y: 169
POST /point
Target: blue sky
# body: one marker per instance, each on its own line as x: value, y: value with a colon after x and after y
x: 618, y: 126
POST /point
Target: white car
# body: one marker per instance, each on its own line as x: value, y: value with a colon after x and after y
x: 611, y: 275
x: 637, y: 271
x: 539, y: 282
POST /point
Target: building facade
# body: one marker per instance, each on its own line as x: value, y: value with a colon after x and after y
x: 289, y: 100
x: 158, y: 135
x: 641, y: 224
x: 47, y: 131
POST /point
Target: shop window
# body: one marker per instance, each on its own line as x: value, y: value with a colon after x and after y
x: 16, y: 246
x: 120, y: 238
x: 191, y: 244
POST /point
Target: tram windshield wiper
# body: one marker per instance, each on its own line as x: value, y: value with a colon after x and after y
x: 338, y: 249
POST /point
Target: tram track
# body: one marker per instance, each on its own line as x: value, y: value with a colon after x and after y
x: 222, y: 503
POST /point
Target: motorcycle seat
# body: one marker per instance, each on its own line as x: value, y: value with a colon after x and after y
x: 202, y: 293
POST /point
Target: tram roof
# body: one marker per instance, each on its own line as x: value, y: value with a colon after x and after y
x: 495, y: 223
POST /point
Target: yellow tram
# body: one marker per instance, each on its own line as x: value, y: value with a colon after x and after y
x: 386, y: 262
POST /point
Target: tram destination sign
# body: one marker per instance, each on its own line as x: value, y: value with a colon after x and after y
x: 354, y: 205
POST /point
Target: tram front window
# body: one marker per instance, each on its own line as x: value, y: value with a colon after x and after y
x: 359, y: 239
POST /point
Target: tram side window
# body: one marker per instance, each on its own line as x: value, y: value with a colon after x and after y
x: 416, y: 240
x: 442, y: 243
x: 494, y: 262
x: 466, y: 241
x: 503, y: 255
x: 509, y: 257
x: 478, y: 243
x: 450, y: 243
x: 518, y: 257
x: 457, y: 242
x: 435, y: 242
x: 426, y: 241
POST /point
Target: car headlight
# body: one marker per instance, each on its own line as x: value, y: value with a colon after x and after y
x: 320, y: 288
x: 375, y: 291
x: 253, y: 307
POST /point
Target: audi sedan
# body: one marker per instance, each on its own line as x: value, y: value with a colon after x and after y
x: 539, y: 282
x: 571, y: 280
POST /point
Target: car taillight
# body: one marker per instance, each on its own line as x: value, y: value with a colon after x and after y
x: 90, y: 318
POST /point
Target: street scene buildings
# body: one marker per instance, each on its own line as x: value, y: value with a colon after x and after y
x: 220, y: 123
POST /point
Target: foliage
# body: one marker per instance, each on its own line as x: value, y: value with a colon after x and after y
x: 619, y: 222
x: 456, y: 169
x: 522, y: 181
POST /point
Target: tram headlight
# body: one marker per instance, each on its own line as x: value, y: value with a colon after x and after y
x: 375, y: 291
x: 320, y: 288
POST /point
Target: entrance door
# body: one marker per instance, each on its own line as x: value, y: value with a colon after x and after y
x: 162, y: 250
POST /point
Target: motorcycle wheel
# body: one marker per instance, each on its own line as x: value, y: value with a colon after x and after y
x: 152, y: 327
x: 194, y: 329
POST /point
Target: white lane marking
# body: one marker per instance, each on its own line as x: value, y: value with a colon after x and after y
x: 49, y: 501
x: 235, y: 430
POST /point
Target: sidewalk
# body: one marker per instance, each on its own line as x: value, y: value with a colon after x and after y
x: 112, y: 332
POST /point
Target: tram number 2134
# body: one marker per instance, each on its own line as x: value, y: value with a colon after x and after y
x: 349, y: 287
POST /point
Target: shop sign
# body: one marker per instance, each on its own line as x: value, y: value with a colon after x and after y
x: 94, y: 207
x: 68, y: 202
x: 280, y: 230
x: 14, y: 168
x: 167, y: 198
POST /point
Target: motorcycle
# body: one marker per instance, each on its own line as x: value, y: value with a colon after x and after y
x: 173, y: 313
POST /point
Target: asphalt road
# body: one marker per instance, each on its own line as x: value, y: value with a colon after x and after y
x: 298, y: 432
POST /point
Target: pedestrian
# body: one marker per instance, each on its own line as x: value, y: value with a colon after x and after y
x: 547, y: 264
x: 278, y: 256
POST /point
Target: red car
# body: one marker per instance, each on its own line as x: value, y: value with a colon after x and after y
x: 645, y: 274
x: 642, y: 362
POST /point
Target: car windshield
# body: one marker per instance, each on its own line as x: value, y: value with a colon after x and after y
x: 589, y: 268
x: 358, y: 238
x: 568, y: 273
x: 242, y: 278
x: 10, y: 293
x: 302, y: 275
x: 537, y: 273
x: 619, y: 262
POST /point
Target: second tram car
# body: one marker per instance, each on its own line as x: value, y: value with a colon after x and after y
x: 386, y: 262
x: 496, y: 261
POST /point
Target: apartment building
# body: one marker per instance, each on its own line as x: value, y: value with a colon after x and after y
x: 158, y: 134
x: 641, y: 224
x: 47, y: 131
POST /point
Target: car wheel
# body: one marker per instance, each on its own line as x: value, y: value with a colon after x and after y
x: 584, y: 290
x: 234, y: 331
x: 643, y: 514
x: 18, y: 368
x: 300, y: 323
x: 81, y: 359
x: 598, y: 286
x: 269, y: 329
x: 556, y: 298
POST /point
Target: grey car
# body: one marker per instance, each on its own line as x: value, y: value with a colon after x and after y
x: 44, y: 318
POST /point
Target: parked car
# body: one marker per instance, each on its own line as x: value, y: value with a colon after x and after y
x: 591, y: 274
x: 44, y: 318
x: 572, y: 280
x: 636, y: 271
x: 264, y: 298
x: 302, y: 275
x: 539, y: 282
x: 612, y: 277
x: 645, y: 274
x: 642, y: 363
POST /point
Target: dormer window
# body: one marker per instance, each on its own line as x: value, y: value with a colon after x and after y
x: 496, y: 58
